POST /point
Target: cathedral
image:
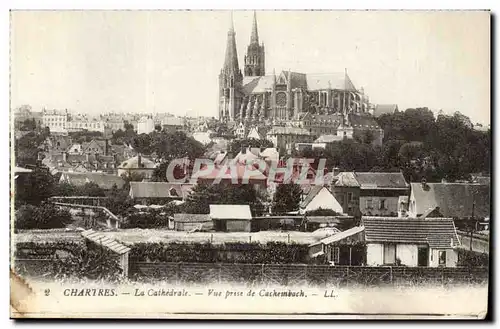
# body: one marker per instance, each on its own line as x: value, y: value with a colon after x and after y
x: 252, y: 97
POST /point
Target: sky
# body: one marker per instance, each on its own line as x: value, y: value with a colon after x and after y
x: 169, y: 61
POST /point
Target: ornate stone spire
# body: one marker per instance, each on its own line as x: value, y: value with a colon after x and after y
x: 255, y: 34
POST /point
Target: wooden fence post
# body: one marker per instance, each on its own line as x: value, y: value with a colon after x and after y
x: 390, y: 274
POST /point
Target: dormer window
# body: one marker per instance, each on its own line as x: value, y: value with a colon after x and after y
x: 173, y: 192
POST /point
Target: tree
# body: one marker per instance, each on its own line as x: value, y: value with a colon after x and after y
x: 27, y: 147
x: 35, y: 187
x: 286, y: 199
x: 322, y: 212
x: 28, y: 125
x: 118, y: 201
x: 203, y: 195
x: 237, y: 144
x: 46, y: 216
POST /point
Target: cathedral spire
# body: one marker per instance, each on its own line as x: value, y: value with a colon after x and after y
x: 231, y: 60
x: 255, y: 34
x: 255, y: 56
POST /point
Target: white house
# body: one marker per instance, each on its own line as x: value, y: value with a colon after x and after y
x: 411, y: 241
x: 145, y: 125
x: 319, y: 197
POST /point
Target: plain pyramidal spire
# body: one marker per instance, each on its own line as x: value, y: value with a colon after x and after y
x: 255, y: 34
x: 231, y: 58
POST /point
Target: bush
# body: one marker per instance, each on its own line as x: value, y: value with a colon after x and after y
x: 46, y: 216
x: 470, y: 258
x: 149, y: 219
x: 94, y: 263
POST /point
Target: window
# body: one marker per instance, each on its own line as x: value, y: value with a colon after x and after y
x: 349, y: 196
x: 336, y: 255
x: 382, y: 204
x: 369, y: 203
x: 442, y: 257
x: 389, y: 253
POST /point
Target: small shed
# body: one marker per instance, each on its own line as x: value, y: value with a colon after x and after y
x: 231, y: 218
x: 343, y: 248
x: 121, y: 251
x: 189, y: 222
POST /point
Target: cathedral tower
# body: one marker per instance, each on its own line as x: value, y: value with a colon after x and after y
x: 255, y: 57
x: 230, y: 80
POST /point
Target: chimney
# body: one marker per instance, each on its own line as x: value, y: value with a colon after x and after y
x: 87, y: 156
x: 335, y: 171
x: 424, y: 182
x: 106, y: 147
x: 65, y: 156
x: 243, y: 149
x: 451, y: 241
x: 139, y: 161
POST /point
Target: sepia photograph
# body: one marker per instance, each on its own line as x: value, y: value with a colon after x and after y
x: 239, y: 164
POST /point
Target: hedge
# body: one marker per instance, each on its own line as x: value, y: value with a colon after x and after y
x: 249, y: 253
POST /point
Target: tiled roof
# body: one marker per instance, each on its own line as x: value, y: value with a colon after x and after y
x: 311, y: 82
x: 378, y: 180
x: 133, y: 163
x: 329, y: 139
x: 227, y: 211
x: 311, y: 195
x: 278, y: 130
x: 436, y: 232
x: 363, y: 121
x: 453, y: 199
x: 192, y: 218
x: 340, y: 236
x: 159, y: 190
x: 104, y: 241
x: 384, y: 109
x: 257, y: 84
x: 346, y: 179
x: 105, y: 181
x: 338, y: 80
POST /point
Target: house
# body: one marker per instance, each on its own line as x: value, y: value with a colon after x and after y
x: 319, y: 197
x: 189, y: 222
x: 342, y: 248
x: 147, y: 192
x: 346, y: 190
x: 453, y: 200
x: 75, y: 148
x: 285, y: 138
x: 103, y: 180
x: 172, y: 124
x: 137, y: 165
x: 410, y: 241
x: 378, y: 192
x: 65, y: 162
x: 231, y: 218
